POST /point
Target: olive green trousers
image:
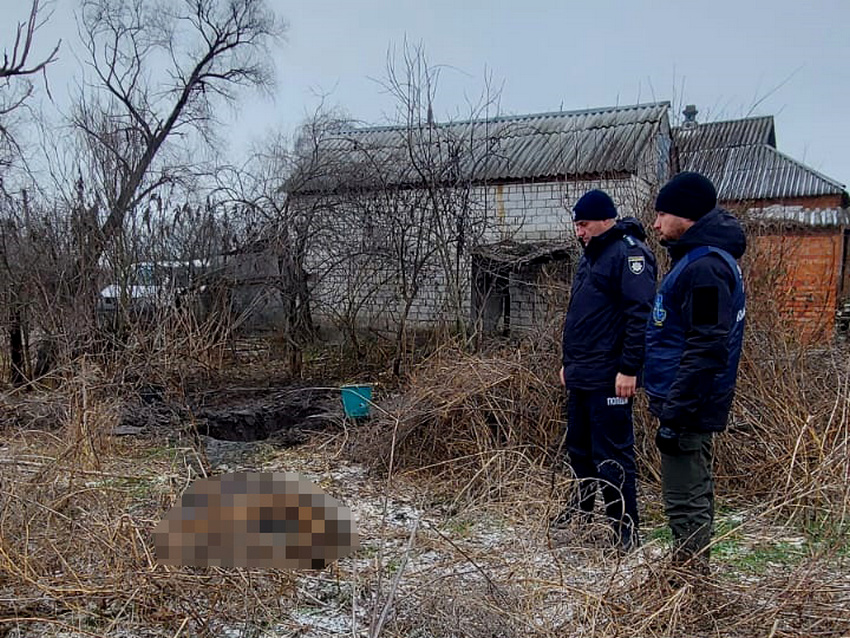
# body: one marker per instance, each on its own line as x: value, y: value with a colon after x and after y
x: 688, y: 487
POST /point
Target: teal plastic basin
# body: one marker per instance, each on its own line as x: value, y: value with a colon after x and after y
x: 356, y: 400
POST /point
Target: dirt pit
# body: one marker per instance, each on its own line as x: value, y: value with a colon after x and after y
x: 281, y: 416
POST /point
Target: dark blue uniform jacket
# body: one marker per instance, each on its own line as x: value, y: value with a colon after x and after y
x: 706, y: 304
x: 612, y: 294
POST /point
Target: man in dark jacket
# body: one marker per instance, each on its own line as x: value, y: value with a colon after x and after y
x: 603, y: 350
x: 694, y: 339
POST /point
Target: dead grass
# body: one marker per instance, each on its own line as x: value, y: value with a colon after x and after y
x: 475, y: 423
x: 481, y: 428
x: 78, y: 509
x: 453, y: 515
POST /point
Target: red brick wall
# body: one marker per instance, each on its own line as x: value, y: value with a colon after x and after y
x: 806, y: 269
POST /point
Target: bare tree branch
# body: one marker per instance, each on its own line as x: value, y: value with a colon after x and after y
x: 159, y: 69
x: 16, y: 65
x: 16, y: 87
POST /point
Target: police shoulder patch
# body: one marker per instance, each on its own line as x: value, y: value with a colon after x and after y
x: 636, y: 264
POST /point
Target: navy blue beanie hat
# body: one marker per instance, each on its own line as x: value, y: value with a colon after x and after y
x: 594, y: 205
x: 689, y: 195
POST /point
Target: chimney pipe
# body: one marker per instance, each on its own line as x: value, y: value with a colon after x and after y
x: 690, y: 114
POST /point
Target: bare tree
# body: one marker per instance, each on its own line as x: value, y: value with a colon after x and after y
x: 16, y: 87
x: 16, y: 70
x: 159, y: 70
x: 18, y: 63
x: 290, y: 235
x: 35, y: 251
x: 433, y: 212
x: 403, y: 207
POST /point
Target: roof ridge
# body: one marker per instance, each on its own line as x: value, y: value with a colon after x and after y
x: 680, y: 127
x: 575, y: 112
x: 518, y: 117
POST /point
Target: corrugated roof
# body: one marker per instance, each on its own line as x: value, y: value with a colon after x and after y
x: 802, y: 215
x: 730, y: 133
x: 587, y: 142
x: 520, y: 254
x: 745, y: 173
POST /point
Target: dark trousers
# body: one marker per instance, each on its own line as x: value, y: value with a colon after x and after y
x: 600, y: 442
x: 688, y: 487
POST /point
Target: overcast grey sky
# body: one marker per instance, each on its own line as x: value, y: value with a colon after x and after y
x: 731, y: 58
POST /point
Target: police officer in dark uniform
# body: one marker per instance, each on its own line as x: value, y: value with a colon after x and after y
x: 603, y: 351
x: 693, y: 346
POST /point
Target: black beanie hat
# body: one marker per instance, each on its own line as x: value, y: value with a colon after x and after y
x: 594, y: 205
x: 689, y: 195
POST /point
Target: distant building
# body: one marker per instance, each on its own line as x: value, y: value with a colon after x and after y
x: 501, y: 187
x: 508, y: 179
x: 798, y: 218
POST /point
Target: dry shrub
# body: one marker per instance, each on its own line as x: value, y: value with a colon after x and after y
x: 160, y: 348
x: 789, y: 435
x: 461, y: 610
x: 521, y: 587
x: 810, y: 599
x: 484, y: 420
x: 78, y: 509
x: 481, y: 420
x: 788, y: 442
x: 168, y: 346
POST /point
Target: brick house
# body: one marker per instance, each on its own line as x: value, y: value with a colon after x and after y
x: 797, y: 218
x: 509, y: 176
x: 500, y: 185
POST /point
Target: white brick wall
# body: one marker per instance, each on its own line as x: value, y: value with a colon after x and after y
x: 529, y: 212
x: 542, y: 211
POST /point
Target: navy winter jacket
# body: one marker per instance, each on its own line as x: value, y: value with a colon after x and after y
x: 699, y: 321
x: 612, y: 294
